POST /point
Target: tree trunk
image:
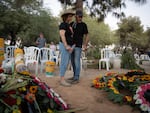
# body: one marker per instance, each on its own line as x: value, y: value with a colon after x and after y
x: 79, y: 5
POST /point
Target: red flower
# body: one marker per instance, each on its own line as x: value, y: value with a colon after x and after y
x: 30, y: 97
x: 1, y: 70
x: 10, y: 100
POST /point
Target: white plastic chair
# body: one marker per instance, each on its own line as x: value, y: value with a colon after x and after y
x: 83, y: 61
x: 45, y: 55
x: 105, y: 55
x: 137, y: 58
x: 10, y: 52
x: 9, y: 58
x: 144, y: 57
x: 56, y: 56
x: 32, y: 57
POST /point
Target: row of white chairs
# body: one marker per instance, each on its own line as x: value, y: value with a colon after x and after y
x: 142, y: 57
x: 34, y: 56
x: 107, y: 54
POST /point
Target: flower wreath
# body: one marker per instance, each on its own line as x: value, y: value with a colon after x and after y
x: 142, y: 97
x: 120, y: 81
x: 20, y: 94
x: 116, y: 83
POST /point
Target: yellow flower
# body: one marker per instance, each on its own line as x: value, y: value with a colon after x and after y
x: 113, y: 88
x: 103, y: 84
x: 49, y: 111
x: 18, y: 100
x: 124, y: 78
x: 128, y: 98
x: 131, y: 79
x: 16, y: 111
x: 109, y: 85
x: 22, y: 89
x: 94, y: 82
x: 33, y: 89
x: 116, y: 91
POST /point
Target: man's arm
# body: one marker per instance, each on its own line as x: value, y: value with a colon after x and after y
x: 86, y: 41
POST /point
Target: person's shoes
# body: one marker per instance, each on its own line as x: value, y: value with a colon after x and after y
x: 69, y: 80
x: 74, y: 81
x: 72, y: 78
x: 64, y: 83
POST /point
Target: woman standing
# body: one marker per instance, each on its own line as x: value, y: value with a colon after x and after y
x: 65, y: 45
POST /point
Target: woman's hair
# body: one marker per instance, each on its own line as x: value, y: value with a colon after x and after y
x: 64, y: 17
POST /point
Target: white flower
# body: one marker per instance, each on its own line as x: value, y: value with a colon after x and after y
x: 136, y: 96
x: 138, y: 101
x: 20, y: 80
x: 144, y: 107
x: 2, y: 78
x: 139, y: 89
x: 149, y: 110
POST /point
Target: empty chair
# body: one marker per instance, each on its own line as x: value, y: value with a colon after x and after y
x: 137, y: 58
x: 56, y: 56
x: 83, y: 61
x: 45, y: 55
x: 118, y: 55
x: 105, y: 57
x: 32, y: 57
x: 9, y: 57
x: 10, y: 52
x: 144, y: 57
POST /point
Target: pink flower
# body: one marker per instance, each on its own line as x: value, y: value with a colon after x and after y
x: 36, y: 80
x: 42, y: 85
x: 49, y: 95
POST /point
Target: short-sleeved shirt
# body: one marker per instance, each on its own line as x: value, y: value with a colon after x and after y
x: 68, y: 33
x: 79, y: 29
x: 41, y: 42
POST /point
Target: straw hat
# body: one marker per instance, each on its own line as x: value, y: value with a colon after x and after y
x: 67, y: 12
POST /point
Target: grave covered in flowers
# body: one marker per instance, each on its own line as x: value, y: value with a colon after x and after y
x: 23, y: 93
x: 132, y: 88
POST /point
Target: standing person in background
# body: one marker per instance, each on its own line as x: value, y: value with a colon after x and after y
x: 80, y: 31
x: 41, y: 41
x: 65, y: 45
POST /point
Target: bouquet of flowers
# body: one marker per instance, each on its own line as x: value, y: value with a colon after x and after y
x: 28, y: 94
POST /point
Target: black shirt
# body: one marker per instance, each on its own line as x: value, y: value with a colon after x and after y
x: 68, y: 33
x: 79, y: 30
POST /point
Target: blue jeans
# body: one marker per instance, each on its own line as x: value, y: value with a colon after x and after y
x: 75, y: 60
x: 65, y: 57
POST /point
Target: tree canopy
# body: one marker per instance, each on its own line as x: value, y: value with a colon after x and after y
x: 131, y: 32
x: 101, y: 8
x: 26, y: 19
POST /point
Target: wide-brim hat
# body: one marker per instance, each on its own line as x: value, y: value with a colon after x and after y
x: 67, y: 12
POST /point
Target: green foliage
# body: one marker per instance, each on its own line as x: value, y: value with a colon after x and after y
x: 14, y: 16
x: 100, y: 33
x: 43, y: 22
x: 26, y: 19
x: 128, y: 60
x: 131, y: 32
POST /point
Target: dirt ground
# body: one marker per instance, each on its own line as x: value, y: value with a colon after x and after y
x: 82, y: 95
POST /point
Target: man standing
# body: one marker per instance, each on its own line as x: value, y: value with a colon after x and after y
x: 80, y: 31
x: 41, y: 41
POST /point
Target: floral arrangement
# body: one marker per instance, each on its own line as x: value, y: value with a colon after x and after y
x: 121, y: 87
x: 142, y: 97
x: 28, y: 94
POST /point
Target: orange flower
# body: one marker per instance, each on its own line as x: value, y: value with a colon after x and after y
x: 33, y: 89
x: 30, y: 97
